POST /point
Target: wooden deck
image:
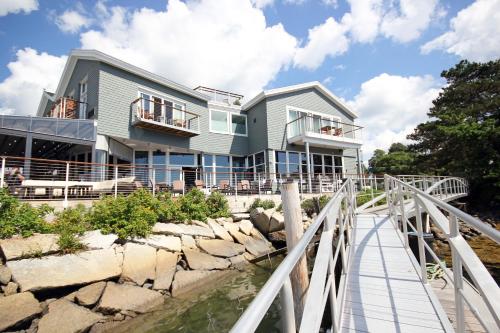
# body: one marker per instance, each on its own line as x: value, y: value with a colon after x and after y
x: 384, y: 292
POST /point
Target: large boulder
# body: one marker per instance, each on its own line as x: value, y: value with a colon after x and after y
x: 139, y: 262
x: 245, y: 227
x: 5, y: 274
x: 66, y: 270
x: 187, y: 280
x: 67, y: 317
x: 257, y: 247
x: 277, y: 222
x: 221, y: 248
x: 182, y: 229
x: 219, y: 230
x: 230, y: 226
x: 169, y: 243
x: 240, y: 216
x: 123, y: 297
x: 95, y: 240
x: 262, y: 221
x: 36, y: 245
x: 166, y: 262
x: 255, y: 212
x: 17, y: 309
x: 203, y: 261
x: 239, y: 236
x: 89, y: 295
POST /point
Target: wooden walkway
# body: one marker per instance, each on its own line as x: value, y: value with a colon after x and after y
x: 384, y: 292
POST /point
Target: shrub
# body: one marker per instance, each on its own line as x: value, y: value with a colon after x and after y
x: 366, y: 195
x: 217, y: 205
x: 21, y: 218
x: 69, y: 224
x: 309, y: 207
x: 193, y: 204
x: 125, y: 216
x: 266, y: 204
x: 169, y: 209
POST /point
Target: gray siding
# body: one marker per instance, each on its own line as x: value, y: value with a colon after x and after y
x: 309, y: 99
x: 91, y: 70
x: 117, y: 89
x: 257, y: 128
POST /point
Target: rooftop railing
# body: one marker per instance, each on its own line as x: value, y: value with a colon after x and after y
x: 81, y: 129
x: 221, y: 96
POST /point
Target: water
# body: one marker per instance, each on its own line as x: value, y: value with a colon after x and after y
x: 215, y: 308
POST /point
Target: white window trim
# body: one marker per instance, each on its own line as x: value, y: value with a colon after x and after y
x: 229, y: 122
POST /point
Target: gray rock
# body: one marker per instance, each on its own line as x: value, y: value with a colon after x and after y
x: 139, y: 263
x: 257, y: 247
x: 36, y: 245
x: 246, y: 227
x: 10, y: 289
x: 219, y: 231
x: 167, y: 229
x: 169, y: 243
x: 119, y: 297
x: 188, y: 242
x: 203, y: 261
x: 240, y: 216
x: 67, y: 270
x: 5, y: 274
x: 199, y: 223
x: 67, y: 317
x: 182, y: 229
x: 277, y: 222
x: 166, y: 263
x: 17, y: 309
x: 262, y: 221
x: 256, y: 212
x: 96, y: 240
x: 188, y: 280
x: 230, y: 226
x: 239, y: 237
x: 258, y: 235
x: 238, y: 261
x: 89, y: 295
x: 221, y: 248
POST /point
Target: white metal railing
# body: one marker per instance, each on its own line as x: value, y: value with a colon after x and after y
x: 326, y: 127
x: 404, y: 199
x: 337, y: 217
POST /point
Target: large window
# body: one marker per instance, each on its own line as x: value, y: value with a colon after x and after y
x: 162, y: 109
x: 228, y: 122
x: 182, y: 159
x: 280, y: 158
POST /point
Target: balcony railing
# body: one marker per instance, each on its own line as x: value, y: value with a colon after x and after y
x: 67, y: 108
x: 323, y: 128
x: 165, y: 117
x: 81, y: 129
x: 221, y: 96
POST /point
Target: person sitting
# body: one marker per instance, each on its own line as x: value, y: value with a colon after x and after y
x: 14, y: 180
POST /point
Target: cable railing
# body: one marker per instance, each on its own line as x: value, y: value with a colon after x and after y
x: 405, y: 199
x: 334, y: 222
x: 325, y: 127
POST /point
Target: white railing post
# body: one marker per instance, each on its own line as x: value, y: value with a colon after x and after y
x: 153, y: 182
x: 66, y: 187
x: 116, y: 181
x: 235, y: 185
x: 2, y: 176
x: 403, y: 216
x: 457, y: 276
x: 287, y: 311
x: 258, y: 182
x: 421, y: 246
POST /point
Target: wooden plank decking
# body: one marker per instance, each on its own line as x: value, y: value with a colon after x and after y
x: 384, y: 292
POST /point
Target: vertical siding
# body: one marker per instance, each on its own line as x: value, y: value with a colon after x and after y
x: 257, y: 128
x: 91, y: 70
x: 118, y: 88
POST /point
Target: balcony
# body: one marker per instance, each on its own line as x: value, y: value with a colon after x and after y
x: 220, y: 96
x: 68, y: 108
x: 164, y: 117
x: 323, y: 132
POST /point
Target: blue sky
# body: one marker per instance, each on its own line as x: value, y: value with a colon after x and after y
x: 382, y: 57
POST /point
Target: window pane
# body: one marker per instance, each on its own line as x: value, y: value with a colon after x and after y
x: 328, y: 160
x: 208, y: 160
x: 328, y: 170
x: 293, y: 157
x: 280, y: 157
x: 141, y: 158
x: 318, y: 169
x: 145, y: 101
x: 303, y: 158
x: 218, y: 121
x: 250, y: 160
x: 259, y: 158
x: 221, y: 160
x: 181, y: 159
x: 260, y: 168
x: 317, y: 159
x: 238, y: 162
x: 338, y: 161
x: 294, y: 168
x: 280, y: 168
x: 239, y: 124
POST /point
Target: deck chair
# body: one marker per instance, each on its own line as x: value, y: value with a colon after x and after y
x: 178, y: 186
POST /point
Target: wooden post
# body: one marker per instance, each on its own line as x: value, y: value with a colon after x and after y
x: 294, y: 231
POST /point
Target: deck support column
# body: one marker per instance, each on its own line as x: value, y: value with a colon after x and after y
x: 309, y: 176
x: 27, y: 154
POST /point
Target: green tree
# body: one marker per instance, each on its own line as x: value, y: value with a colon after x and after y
x: 398, y: 161
x: 462, y: 137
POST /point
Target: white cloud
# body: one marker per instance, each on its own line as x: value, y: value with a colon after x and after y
x: 17, y: 6
x: 364, y: 19
x: 390, y: 106
x: 30, y: 73
x: 327, y: 39
x: 413, y: 17
x: 333, y: 3
x: 72, y: 21
x: 262, y: 3
x: 198, y: 43
x: 474, y: 33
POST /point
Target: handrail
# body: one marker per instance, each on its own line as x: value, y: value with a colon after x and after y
x: 326, y: 119
x: 399, y: 192
x: 257, y: 309
x: 134, y: 102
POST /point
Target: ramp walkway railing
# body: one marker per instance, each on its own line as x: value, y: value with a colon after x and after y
x: 406, y: 196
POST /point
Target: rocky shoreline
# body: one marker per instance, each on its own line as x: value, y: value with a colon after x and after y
x: 112, y: 280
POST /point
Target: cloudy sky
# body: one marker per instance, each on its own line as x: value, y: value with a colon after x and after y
x: 383, y: 57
